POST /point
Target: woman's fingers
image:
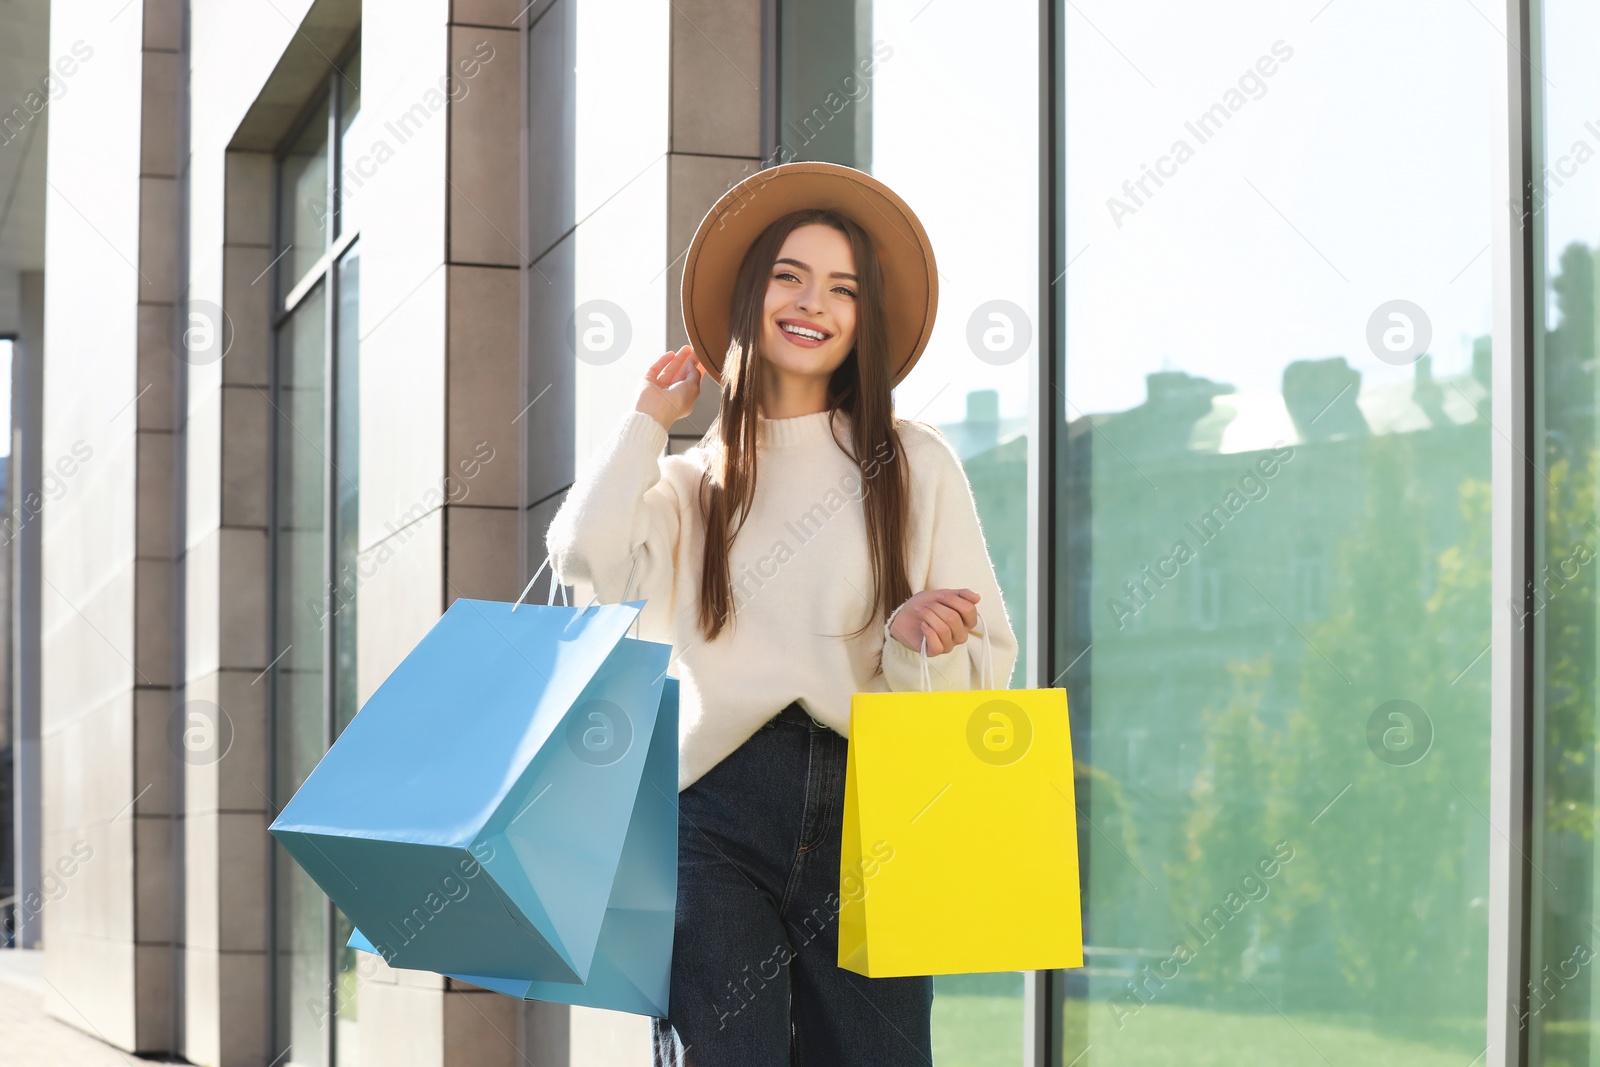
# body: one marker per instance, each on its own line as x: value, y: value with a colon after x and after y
x: 658, y: 369
x: 685, y: 367
x: 944, y: 616
x: 931, y: 617
x: 685, y: 387
x: 671, y: 367
x: 957, y: 601
x: 953, y: 622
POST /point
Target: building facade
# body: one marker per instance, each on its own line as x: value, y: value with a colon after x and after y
x: 1267, y: 338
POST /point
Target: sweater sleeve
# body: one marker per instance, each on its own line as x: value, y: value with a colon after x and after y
x: 959, y: 559
x: 622, y: 505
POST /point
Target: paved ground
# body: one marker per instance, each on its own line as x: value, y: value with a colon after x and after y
x: 30, y: 1038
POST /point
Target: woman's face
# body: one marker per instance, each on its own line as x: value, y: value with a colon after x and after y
x: 809, y: 319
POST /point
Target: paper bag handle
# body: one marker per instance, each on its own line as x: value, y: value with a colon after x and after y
x: 553, y: 584
x: 638, y: 622
x: 550, y: 602
x: 985, y: 670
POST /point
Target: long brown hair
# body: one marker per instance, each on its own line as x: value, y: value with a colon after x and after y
x: 858, y: 389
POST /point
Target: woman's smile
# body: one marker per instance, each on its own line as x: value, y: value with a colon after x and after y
x: 804, y: 334
x: 810, y: 304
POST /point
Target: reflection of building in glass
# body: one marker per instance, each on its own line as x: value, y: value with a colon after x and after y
x: 1263, y: 576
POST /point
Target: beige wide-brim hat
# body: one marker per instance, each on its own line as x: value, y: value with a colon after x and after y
x: 905, y: 255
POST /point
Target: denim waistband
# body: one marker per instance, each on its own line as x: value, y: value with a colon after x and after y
x: 795, y: 715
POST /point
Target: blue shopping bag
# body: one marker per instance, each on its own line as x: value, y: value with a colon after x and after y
x: 633, y: 958
x: 504, y: 807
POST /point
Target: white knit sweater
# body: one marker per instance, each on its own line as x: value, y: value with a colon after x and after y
x: 800, y: 567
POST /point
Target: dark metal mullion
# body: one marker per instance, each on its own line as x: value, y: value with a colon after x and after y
x: 1041, y: 1035
x: 330, y: 305
x: 281, y: 313
x: 1514, y: 395
x: 1527, y: 103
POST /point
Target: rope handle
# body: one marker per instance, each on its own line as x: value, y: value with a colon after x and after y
x: 985, y: 670
x: 553, y: 585
x: 550, y: 601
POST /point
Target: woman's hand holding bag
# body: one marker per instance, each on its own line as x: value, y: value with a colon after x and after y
x: 944, y: 617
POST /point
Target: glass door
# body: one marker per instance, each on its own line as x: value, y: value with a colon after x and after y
x: 1271, y: 513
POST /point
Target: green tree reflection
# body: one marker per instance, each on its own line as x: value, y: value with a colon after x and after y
x: 1226, y: 693
x: 1561, y: 995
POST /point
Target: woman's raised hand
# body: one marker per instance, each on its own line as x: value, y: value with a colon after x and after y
x: 944, y: 616
x: 671, y: 386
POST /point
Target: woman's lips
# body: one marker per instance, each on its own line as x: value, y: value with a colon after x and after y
x: 803, y: 342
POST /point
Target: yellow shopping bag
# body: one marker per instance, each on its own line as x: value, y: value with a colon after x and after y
x: 960, y: 848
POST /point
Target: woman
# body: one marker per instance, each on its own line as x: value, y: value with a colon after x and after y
x: 810, y: 289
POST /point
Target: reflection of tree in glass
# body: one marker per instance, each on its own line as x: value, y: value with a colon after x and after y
x: 1564, y: 606
x: 1228, y: 831
x: 1228, y: 707
x: 1398, y: 872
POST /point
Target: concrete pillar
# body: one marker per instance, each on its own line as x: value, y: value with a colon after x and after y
x: 107, y: 595
x: 158, y: 512
x: 109, y: 619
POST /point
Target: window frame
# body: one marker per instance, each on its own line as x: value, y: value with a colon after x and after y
x: 325, y: 105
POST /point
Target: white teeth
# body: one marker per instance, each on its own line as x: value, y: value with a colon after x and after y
x: 802, y: 331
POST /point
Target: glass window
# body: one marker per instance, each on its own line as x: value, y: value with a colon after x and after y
x: 315, y: 544
x: 1561, y: 1012
x: 819, y: 117
x: 349, y: 89
x: 299, y: 551
x: 346, y: 463
x: 873, y: 86
x: 304, y: 229
x: 313, y: 209
x: 1272, y: 505
x: 315, y: 584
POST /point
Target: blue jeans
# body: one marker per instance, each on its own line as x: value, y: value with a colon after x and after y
x: 755, y: 977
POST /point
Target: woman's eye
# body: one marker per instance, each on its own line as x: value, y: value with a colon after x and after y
x: 786, y: 274
x: 844, y: 290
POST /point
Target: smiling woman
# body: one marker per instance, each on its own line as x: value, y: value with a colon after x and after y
x: 806, y: 307
x: 810, y: 272
x: 810, y: 308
